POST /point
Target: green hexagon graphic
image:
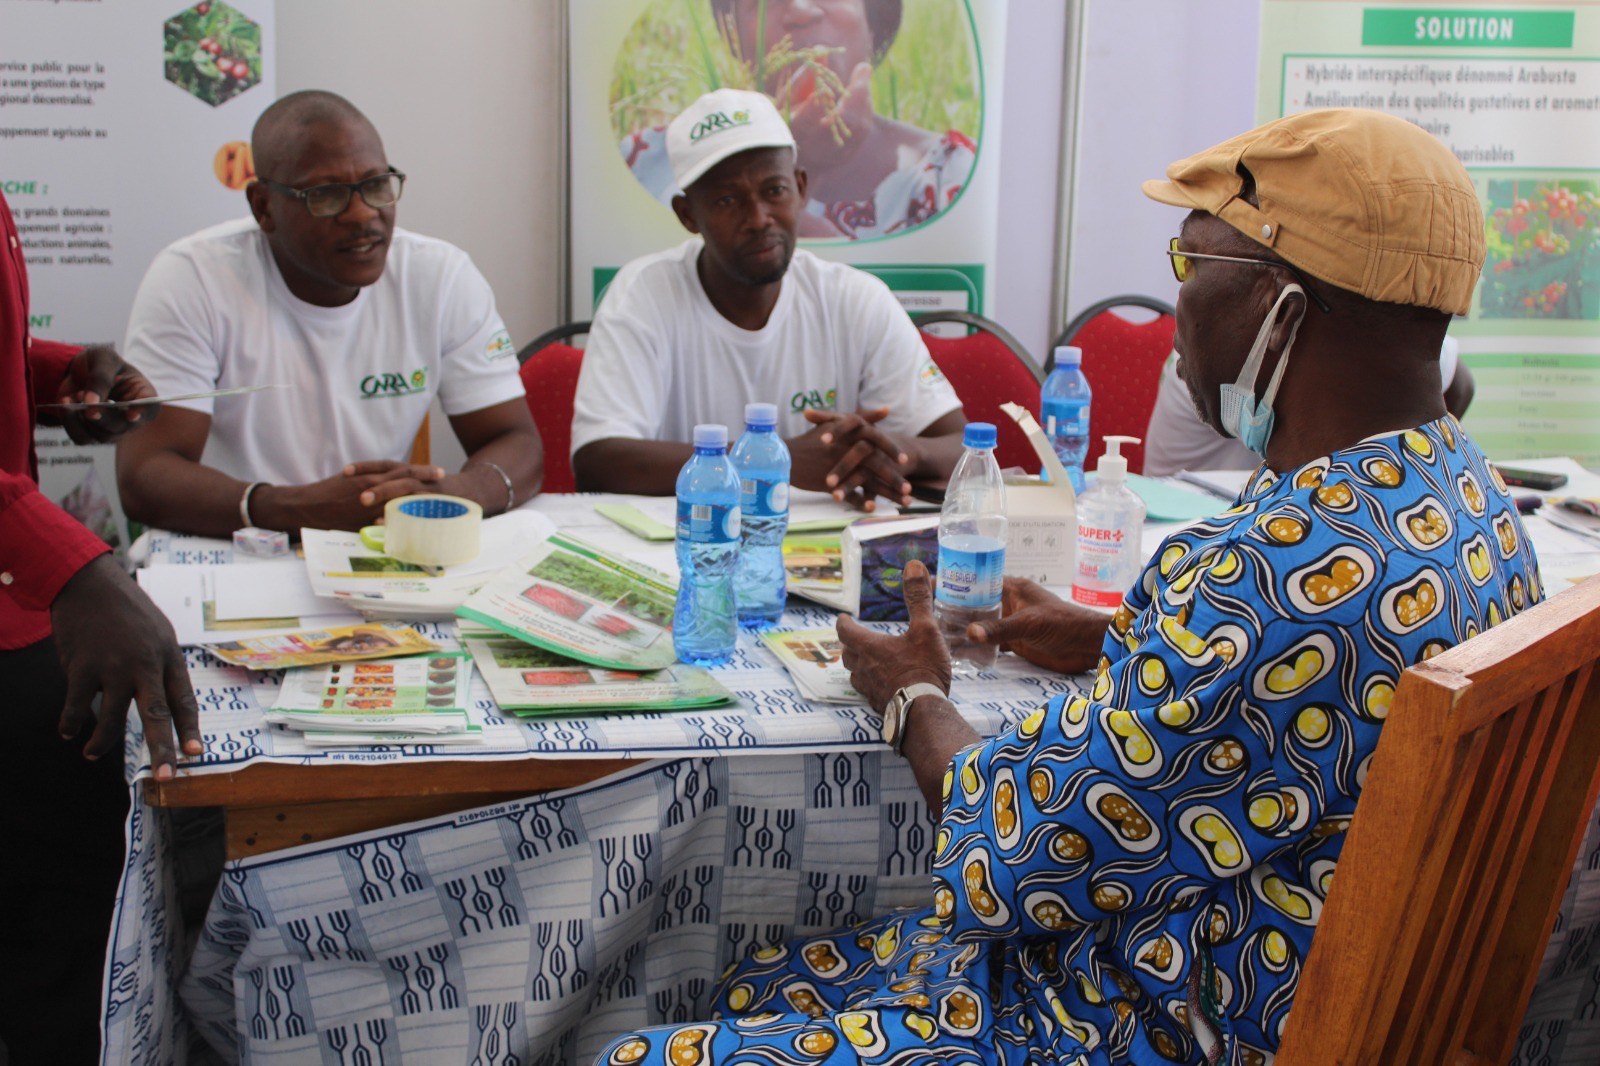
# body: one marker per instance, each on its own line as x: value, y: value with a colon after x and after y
x: 213, y: 52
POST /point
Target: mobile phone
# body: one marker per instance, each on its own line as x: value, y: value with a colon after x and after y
x: 1530, y: 479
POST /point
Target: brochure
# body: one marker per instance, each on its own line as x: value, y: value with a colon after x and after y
x: 311, y: 647
x: 655, y: 518
x: 873, y: 553
x: 342, y: 568
x: 577, y: 600
x: 814, y: 659
x: 814, y: 562
x: 529, y: 681
x: 424, y: 694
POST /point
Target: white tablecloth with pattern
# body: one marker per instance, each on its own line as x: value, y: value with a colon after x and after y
x: 531, y: 932
x: 534, y: 931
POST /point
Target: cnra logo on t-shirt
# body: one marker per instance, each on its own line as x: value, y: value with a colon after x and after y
x: 814, y: 400
x: 391, y: 384
x: 716, y: 122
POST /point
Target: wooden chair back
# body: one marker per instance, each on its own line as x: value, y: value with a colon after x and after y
x: 1460, y: 849
x: 422, y: 444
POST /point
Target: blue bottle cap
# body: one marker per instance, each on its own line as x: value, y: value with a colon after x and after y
x: 760, y: 414
x: 1069, y: 355
x: 710, y: 436
x: 979, y: 435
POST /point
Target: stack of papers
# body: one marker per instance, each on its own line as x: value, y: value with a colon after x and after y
x: 423, y: 699
x: 343, y: 570
x: 532, y: 682
x: 655, y: 518
x: 814, y: 659
x: 239, y: 601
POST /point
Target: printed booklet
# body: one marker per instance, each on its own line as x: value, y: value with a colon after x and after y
x: 530, y: 681
x: 579, y: 601
x: 814, y: 659
x: 312, y: 647
x: 424, y: 694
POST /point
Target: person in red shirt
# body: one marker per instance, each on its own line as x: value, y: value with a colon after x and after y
x: 79, y: 642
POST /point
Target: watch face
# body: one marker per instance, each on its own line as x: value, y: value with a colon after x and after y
x: 891, y: 721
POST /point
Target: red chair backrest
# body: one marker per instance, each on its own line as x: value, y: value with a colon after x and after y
x: 550, y: 377
x: 1122, y: 361
x: 985, y: 374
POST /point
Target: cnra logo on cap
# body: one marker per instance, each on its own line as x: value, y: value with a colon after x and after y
x: 722, y: 123
x: 716, y: 122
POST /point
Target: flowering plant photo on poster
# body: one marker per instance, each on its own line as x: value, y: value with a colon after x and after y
x: 893, y: 107
x: 1513, y: 88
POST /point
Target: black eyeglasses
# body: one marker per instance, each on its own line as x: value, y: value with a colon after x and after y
x: 325, y: 201
x: 1183, y: 269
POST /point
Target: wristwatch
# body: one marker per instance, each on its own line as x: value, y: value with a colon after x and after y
x: 894, y: 714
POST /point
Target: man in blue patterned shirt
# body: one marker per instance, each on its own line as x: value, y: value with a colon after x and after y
x: 1135, y: 874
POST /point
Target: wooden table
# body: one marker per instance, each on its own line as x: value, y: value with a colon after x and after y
x: 269, y: 807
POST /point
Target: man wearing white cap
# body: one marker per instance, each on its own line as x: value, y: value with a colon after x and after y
x: 736, y: 314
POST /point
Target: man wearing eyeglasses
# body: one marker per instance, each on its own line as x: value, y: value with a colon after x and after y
x: 363, y: 323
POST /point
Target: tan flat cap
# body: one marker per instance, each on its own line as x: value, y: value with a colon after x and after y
x: 1360, y: 199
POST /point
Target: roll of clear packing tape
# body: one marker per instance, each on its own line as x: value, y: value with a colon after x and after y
x: 428, y: 530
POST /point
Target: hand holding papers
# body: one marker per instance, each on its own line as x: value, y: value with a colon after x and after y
x: 151, y: 401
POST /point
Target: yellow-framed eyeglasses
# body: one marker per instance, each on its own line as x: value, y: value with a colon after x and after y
x: 1183, y: 269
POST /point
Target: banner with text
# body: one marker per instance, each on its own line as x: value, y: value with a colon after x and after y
x: 894, y: 107
x: 1514, y: 90
x: 122, y: 128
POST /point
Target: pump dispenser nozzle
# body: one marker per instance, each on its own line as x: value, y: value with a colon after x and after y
x: 1113, y: 465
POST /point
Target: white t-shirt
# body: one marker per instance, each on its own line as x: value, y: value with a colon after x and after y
x: 1178, y: 440
x: 661, y: 359
x: 213, y: 312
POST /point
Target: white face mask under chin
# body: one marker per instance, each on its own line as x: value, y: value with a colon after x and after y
x: 1242, y: 417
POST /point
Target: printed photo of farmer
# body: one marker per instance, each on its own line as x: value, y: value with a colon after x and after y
x: 882, y: 96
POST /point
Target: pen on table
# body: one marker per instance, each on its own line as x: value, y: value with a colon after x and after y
x: 1571, y: 527
x: 1221, y: 492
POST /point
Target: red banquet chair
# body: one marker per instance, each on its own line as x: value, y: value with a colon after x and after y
x: 1122, y: 360
x: 550, y: 378
x: 987, y: 367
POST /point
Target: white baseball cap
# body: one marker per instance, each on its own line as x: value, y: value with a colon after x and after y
x: 721, y: 123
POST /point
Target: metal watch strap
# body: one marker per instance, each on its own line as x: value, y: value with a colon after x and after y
x: 906, y: 697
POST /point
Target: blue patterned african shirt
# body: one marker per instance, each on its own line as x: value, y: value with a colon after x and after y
x: 1135, y: 875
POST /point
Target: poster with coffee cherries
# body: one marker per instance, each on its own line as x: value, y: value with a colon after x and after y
x: 1513, y: 88
x: 123, y: 127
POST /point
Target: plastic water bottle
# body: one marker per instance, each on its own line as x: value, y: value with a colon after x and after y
x: 762, y: 461
x: 1110, y: 526
x: 972, y: 549
x: 1064, y: 402
x: 703, y: 626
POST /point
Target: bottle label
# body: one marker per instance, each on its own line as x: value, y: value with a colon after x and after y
x: 971, y: 578
x: 1102, y: 577
x: 706, y: 523
x: 1066, y: 418
x: 763, y: 499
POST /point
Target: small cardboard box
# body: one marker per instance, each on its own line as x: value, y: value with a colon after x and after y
x: 1041, y: 515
